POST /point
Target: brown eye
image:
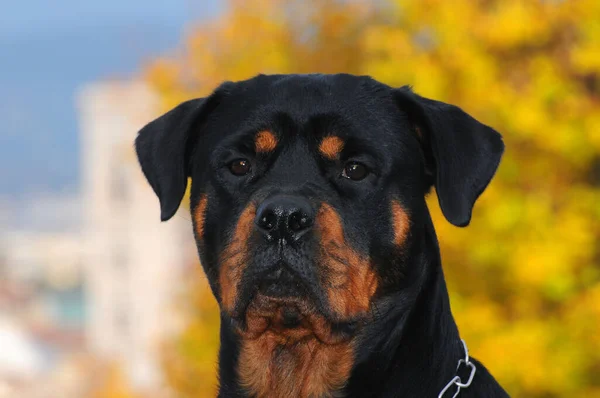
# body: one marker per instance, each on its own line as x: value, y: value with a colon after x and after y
x: 355, y: 171
x: 239, y: 167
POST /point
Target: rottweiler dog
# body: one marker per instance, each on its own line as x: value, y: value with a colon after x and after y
x: 309, y: 213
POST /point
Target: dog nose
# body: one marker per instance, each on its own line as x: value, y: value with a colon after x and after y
x: 284, y: 217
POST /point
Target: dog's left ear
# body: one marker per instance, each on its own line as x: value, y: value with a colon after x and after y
x: 164, y: 148
x: 466, y: 152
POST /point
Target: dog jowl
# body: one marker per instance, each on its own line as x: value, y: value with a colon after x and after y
x: 308, y: 204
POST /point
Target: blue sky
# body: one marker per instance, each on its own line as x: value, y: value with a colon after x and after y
x: 31, y: 17
x: 50, y: 48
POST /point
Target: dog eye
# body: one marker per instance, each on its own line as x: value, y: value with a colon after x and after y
x: 355, y: 171
x: 240, y: 167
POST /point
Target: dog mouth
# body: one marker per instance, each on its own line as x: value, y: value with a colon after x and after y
x: 281, y: 283
x: 284, y: 306
x: 293, y: 320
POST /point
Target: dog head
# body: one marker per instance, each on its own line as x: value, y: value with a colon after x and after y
x: 308, y: 192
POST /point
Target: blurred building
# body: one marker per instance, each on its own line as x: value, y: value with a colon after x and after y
x: 132, y: 261
x: 42, y: 311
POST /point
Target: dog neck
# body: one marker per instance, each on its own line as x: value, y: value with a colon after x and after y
x: 415, y: 346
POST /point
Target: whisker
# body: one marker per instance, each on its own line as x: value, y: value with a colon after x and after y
x: 375, y: 311
x: 229, y: 255
x: 338, y: 286
x: 332, y: 244
x: 310, y: 350
x: 338, y: 257
x: 340, y: 261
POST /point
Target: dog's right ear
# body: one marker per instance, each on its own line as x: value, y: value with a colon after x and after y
x: 466, y: 153
x: 164, y: 149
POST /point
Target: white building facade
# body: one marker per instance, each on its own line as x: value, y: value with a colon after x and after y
x: 132, y: 261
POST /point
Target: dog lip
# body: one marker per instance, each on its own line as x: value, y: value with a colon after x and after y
x: 283, y: 315
x: 282, y: 282
x: 277, y: 292
x: 291, y: 317
x: 347, y: 328
x: 262, y: 300
x: 298, y: 316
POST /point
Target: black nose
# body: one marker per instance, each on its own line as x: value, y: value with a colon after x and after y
x: 284, y: 217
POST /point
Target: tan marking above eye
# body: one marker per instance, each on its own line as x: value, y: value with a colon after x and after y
x: 331, y: 147
x: 401, y: 223
x: 265, y: 141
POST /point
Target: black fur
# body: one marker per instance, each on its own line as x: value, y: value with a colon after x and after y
x: 408, y: 345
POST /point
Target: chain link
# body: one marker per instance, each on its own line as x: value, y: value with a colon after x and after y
x: 456, y: 380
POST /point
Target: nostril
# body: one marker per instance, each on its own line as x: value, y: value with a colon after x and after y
x: 267, y: 220
x: 298, y: 221
x: 283, y: 219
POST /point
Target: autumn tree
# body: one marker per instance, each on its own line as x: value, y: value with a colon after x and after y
x: 108, y: 381
x: 525, y: 275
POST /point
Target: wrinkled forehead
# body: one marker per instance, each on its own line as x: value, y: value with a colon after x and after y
x: 279, y: 112
x: 265, y: 130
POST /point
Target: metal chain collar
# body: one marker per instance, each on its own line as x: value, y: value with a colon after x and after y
x: 456, y: 380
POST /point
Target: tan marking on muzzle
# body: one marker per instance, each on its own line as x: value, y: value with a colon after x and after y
x: 348, y: 277
x: 234, y: 259
x: 310, y: 359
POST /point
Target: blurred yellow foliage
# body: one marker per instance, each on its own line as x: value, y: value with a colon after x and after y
x: 525, y: 276
x: 190, y: 361
x: 110, y: 383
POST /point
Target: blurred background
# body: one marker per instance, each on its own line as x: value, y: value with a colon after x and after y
x: 99, y: 299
